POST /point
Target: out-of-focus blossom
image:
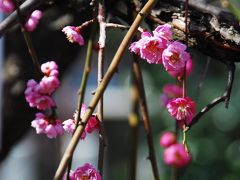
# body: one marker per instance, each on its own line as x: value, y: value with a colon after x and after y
x: 33, y: 20
x: 175, y: 155
x: 46, y: 125
x: 6, y: 6
x: 170, y: 91
x: 174, y: 57
x: 87, y: 171
x: 150, y: 48
x: 182, y: 109
x: 167, y: 139
x: 163, y: 31
x: 49, y: 84
x: 189, y: 67
x: 73, y: 34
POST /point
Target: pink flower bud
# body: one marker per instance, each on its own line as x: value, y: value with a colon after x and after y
x: 175, y: 155
x: 6, y: 6
x: 33, y: 20
x: 167, y: 139
x: 73, y: 34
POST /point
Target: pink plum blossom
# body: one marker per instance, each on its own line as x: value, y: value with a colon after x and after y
x: 180, y: 72
x: 73, y: 34
x: 174, y: 57
x: 182, y: 109
x: 149, y: 48
x: 87, y: 171
x: 46, y: 125
x: 49, y: 68
x: 167, y: 139
x: 92, y: 124
x: 170, y: 91
x: 6, y: 6
x: 175, y: 155
x: 49, y: 84
x: 33, y: 20
x: 163, y: 31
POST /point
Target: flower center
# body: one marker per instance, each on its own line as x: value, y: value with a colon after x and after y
x: 174, y: 58
x: 84, y: 177
x: 153, y: 46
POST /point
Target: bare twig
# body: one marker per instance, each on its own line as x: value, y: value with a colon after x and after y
x: 146, y: 121
x: 101, y: 88
x: 102, y: 39
x: 224, y: 98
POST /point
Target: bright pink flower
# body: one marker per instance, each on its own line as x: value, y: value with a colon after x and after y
x: 73, y: 34
x: 164, y: 31
x: 182, y: 108
x: 170, y: 91
x: 50, y: 68
x: 176, y: 156
x: 39, y: 123
x: 44, y: 102
x: 6, y: 6
x: 45, y: 125
x: 33, y: 20
x: 92, y: 124
x: 54, y: 130
x: 70, y: 124
x: 87, y: 171
x: 149, y: 48
x: 167, y: 139
x: 189, y: 67
x: 174, y: 57
x: 49, y: 84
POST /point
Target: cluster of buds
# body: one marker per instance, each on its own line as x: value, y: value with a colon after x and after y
x: 174, y: 153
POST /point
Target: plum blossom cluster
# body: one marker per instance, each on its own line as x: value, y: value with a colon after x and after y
x: 39, y: 95
x: 70, y: 124
x: 160, y: 48
x: 87, y: 171
x: 73, y: 34
x: 174, y: 153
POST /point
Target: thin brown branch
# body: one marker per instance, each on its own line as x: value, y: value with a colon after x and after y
x: 146, y: 120
x: 225, y: 97
x: 102, y: 40
x: 101, y: 88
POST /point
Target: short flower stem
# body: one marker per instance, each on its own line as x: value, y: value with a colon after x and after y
x: 101, y: 41
x: 101, y: 88
x: 146, y: 120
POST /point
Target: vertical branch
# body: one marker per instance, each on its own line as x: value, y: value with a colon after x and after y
x: 27, y: 39
x: 133, y: 121
x: 102, y: 39
x: 146, y: 121
x: 101, y: 88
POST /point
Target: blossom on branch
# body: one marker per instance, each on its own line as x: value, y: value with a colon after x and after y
x: 6, y: 6
x: 87, y: 171
x: 47, y: 125
x: 170, y: 91
x: 167, y: 139
x: 182, y: 109
x: 73, y: 34
x: 176, y: 155
x: 174, y: 57
x: 33, y: 20
x: 70, y: 124
x: 150, y: 48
